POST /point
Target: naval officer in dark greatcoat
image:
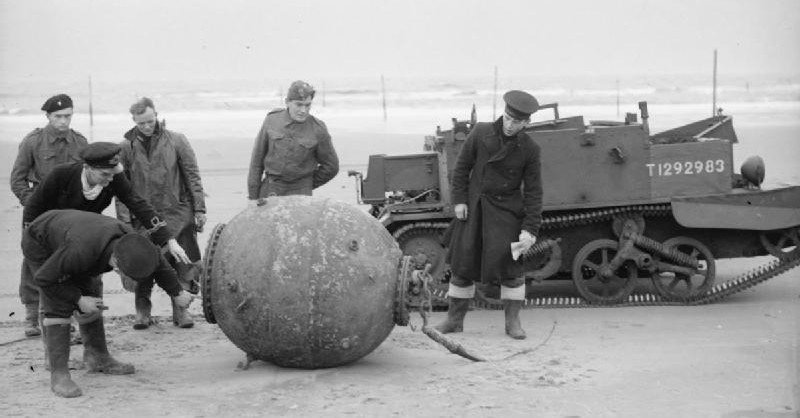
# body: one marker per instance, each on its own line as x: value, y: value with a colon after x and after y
x: 497, y: 191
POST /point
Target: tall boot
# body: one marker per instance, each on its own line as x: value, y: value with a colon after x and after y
x: 513, y: 325
x: 180, y: 316
x: 143, y: 319
x: 456, y: 312
x: 58, y: 352
x: 32, y: 320
x: 95, y: 351
x: 44, y: 345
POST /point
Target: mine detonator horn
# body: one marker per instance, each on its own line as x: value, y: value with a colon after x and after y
x: 645, y: 116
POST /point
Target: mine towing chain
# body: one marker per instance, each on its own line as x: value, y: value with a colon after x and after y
x: 433, y: 231
x: 715, y: 293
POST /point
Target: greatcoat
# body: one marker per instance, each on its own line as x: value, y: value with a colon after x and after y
x: 498, y: 177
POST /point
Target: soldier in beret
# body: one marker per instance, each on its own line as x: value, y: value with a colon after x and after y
x: 162, y: 167
x: 39, y: 152
x: 497, y: 191
x: 293, y: 153
x: 69, y: 250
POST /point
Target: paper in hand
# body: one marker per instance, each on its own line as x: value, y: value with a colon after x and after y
x: 519, y: 248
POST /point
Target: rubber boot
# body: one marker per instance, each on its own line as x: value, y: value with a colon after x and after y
x: 513, y: 325
x: 95, y: 351
x: 44, y: 345
x: 32, y: 320
x: 143, y: 319
x: 455, y: 316
x: 58, y: 353
x: 181, y: 317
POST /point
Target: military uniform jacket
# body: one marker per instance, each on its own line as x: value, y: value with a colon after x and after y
x: 499, y: 179
x: 39, y: 152
x: 73, y: 246
x: 291, y: 151
x: 167, y: 176
x: 62, y: 189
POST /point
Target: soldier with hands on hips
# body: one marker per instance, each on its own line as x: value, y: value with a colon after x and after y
x: 293, y: 153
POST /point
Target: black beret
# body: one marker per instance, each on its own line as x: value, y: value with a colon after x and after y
x: 137, y: 257
x: 101, y: 154
x: 56, y: 103
x: 519, y: 104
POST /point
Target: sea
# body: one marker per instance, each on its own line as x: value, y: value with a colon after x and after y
x: 395, y: 113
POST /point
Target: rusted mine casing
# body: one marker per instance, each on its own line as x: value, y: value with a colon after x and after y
x: 304, y: 282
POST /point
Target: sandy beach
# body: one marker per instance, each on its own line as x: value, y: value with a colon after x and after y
x: 738, y: 358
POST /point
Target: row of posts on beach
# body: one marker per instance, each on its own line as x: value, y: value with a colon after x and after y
x: 494, y: 96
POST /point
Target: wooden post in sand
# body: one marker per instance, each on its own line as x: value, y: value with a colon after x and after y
x: 91, y: 112
x: 494, y: 96
x: 383, y: 90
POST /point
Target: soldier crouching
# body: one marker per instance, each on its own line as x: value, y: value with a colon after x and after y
x: 69, y: 250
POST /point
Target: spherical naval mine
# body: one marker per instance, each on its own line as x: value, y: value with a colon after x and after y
x: 303, y: 282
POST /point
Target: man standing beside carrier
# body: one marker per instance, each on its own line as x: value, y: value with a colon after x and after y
x: 293, y: 153
x: 39, y: 152
x: 162, y: 168
x: 497, y: 191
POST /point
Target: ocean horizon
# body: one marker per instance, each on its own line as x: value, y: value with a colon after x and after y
x: 765, y: 110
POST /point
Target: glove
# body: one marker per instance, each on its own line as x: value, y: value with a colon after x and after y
x: 184, y: 299
x: 177, y: 251
x: 199, y: 221
x: 89, y: 304
x: 461, y: 211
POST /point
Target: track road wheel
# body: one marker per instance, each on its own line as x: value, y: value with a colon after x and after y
x: 424, y: 245
x: 782, y: 243
x: 683, y: 286
x: 593, y: 279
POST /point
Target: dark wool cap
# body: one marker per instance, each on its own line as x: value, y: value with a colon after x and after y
x: 300, y: 90
x: 137, y: 257
x: 56, y: 103
x: 520, y: 105
x: 101, y: 154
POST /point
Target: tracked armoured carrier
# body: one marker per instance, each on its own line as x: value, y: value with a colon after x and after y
x: 622, y: 207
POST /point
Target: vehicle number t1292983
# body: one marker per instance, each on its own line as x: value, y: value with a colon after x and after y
x: 677, y: 168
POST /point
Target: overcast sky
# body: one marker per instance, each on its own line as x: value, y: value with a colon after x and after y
x: 152, y: 39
